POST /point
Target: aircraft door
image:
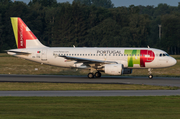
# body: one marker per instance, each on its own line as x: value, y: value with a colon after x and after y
x: 44, y: 55
x: 105, y: 56
x: 150, y: 55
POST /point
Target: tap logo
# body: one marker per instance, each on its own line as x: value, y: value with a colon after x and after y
x: 139, y: 57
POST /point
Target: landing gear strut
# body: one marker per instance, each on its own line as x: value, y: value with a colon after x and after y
x: 150, y: 73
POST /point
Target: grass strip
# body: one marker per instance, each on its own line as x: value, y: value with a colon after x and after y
x: 8, y: 86
x: 162, y: 107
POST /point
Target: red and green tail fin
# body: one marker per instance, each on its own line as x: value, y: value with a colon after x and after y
x: 23, y: 35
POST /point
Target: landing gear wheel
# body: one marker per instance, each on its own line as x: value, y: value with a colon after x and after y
x: 97, y: 74
x: 150, y: 73
x: 150, y: 76
x: 90, y: 75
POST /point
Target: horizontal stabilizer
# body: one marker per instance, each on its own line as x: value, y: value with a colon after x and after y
x: 18, y: 52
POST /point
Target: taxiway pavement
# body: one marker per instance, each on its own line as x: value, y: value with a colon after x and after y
x: 160, y: 81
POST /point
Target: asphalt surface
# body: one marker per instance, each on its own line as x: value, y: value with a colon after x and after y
x: 161, y: 81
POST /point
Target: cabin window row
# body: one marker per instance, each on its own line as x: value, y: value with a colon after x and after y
x: 101, y: 55
x: 158, y: 55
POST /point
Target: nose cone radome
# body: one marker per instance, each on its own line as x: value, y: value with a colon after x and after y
x: 173, y: 62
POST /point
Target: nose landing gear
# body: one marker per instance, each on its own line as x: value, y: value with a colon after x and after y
x: 150, y: 73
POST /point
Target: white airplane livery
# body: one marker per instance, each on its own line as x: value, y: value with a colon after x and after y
x: 113, y: 61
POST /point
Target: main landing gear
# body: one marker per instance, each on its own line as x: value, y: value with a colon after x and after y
x: 96, y: 75
x: 150, y: 73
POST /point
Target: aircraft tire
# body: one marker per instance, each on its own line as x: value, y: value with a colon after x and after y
x: 97, y: 74
x: 150, y: 76
x: 90, y: 75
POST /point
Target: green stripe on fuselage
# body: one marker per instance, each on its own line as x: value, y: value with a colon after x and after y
x: 133, y: 57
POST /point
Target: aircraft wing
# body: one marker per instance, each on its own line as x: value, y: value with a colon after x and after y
x: 87, y: 61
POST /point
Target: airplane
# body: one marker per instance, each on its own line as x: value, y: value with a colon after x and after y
x: 112, y: 61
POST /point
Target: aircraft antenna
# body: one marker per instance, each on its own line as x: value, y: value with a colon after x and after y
x: 74, y: 46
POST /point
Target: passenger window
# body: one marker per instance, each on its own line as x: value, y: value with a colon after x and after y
x: 88, y: 54
x: 77, y: 54
x: 94, y: 54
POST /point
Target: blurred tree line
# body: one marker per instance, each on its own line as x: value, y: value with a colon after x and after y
x: 93, y: 23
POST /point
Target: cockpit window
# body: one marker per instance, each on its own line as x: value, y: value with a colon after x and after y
x: 163, y: 54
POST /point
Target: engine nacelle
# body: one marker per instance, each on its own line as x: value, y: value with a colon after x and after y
x: 113, y: 69
x: 127, y: 71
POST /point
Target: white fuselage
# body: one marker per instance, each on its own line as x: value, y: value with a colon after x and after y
x: 129, y: 57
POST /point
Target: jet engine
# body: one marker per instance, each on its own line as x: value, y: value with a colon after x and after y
x: 113, y: 69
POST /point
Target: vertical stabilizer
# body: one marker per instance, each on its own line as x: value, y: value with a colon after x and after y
x: 23, y: 35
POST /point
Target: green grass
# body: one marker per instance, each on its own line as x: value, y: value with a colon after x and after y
x: 14, y: 65
x: 6, y: 86
x: 164, y: 107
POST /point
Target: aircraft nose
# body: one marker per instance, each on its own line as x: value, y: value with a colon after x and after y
x: 172, y: 61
